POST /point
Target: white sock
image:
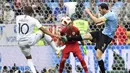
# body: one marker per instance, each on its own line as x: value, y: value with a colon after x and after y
x: 30, y: 64
x: 50, y: 41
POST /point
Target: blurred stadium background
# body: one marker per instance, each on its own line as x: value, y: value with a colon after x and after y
x: 49, y: 12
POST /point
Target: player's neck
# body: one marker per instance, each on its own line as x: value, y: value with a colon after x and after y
x: 107, y: 11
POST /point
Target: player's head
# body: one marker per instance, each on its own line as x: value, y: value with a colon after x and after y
x: 28, y: 10
x: 103, y: 8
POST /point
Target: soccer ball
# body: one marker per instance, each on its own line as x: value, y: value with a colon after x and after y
x: 65, y: 20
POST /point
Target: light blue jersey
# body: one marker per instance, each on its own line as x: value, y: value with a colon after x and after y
x: 110, y: 24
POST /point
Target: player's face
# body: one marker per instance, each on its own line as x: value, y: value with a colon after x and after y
x: 100, y: 10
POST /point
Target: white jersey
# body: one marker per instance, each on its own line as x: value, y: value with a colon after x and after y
x: 25, y: 26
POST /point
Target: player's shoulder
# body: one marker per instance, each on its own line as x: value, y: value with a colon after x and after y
x: 110, y: 16
x: 110, y: 13
x: 19, y: 16
x: 32, y: 18
x: 74, y: 27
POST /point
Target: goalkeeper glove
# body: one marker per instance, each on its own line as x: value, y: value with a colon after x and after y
x: 85, y: 49
x: 64, y: 39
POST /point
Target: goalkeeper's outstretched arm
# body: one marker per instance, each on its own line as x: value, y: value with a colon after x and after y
x: 80, y: 37
x: 76, y: 38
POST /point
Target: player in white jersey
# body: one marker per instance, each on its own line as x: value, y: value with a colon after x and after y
x: 25, y: 36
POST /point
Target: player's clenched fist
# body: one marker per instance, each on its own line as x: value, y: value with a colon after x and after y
x: 87, y: 10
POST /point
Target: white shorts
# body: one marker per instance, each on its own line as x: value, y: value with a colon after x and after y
x: 26, y: 43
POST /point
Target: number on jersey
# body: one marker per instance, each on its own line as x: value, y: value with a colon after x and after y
x: 21, y: 30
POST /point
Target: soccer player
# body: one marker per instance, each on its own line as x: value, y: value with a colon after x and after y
x: 101, y: 38
x: 25, y: 36
x: 71, y: 46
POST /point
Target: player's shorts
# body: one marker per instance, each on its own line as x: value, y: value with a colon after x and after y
x: 26, y: 43
x: 75, y: 49
x: 101, y: 40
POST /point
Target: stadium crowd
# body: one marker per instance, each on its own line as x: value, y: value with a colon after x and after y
x: 16, y: 69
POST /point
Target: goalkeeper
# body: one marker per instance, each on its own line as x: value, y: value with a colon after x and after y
x: 82, y: 25
x: 71, y: 46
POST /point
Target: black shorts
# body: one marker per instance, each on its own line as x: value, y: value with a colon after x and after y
x: 101, y: 40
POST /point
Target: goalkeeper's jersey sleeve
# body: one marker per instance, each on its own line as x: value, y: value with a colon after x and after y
x: 82, y: 25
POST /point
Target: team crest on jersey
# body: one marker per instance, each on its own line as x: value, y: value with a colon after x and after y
x: 73, y: 33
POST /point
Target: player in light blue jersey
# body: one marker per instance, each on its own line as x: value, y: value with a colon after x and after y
x: 101, y: 38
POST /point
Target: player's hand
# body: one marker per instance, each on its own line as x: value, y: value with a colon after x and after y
x: 64, y: 39
x: 87, y: 10
x: 57, y: 36
x: 85, y: 50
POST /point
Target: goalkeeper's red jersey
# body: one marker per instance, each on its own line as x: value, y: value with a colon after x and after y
x: 71, y: 46
x: 74, y: 31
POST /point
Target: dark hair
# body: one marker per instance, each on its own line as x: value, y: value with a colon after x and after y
x: 103, y: 6
x: 28, y: 10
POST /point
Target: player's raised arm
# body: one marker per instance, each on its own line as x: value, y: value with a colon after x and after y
x: 100, y: 20
x: 44, y: 30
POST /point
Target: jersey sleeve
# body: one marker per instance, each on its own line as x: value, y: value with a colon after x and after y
x: 37, y: 23
x: 107, y: 16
